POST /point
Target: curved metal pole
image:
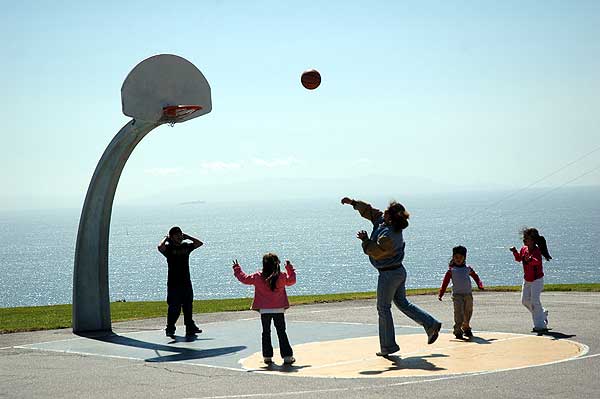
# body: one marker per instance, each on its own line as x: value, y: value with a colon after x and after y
x: 91, y: 303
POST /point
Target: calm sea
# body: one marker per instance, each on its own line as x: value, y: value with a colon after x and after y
x: 37, y: 250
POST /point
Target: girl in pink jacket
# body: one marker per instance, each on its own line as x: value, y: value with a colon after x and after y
x: 271, y: 300
x: 530, y: 255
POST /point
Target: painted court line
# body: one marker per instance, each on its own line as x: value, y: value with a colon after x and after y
x: 379, y: 386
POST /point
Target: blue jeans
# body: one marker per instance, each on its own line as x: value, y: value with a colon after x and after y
x: 391, y: 287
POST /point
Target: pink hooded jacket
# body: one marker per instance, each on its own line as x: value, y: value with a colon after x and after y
x: 264, y: 298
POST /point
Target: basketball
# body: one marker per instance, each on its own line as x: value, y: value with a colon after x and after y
x: 310, y: 79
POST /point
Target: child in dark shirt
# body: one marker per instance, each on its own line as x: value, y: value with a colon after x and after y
x: 180, y: 295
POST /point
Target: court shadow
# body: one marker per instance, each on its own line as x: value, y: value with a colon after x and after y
x: 409, y: 363
x: 179, y: 355
x: 555, y: 335
x: 480, y: 341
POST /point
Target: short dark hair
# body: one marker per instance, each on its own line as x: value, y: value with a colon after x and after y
x: 459, y: 249
x: 174, y: 230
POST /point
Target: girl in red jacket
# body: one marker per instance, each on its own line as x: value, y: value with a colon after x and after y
x: 533, y: 275
x: 271, y: 300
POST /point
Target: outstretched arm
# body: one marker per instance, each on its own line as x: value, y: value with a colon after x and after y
x: 196, y: 242
x: 476, y: 278
x: 244, y: 278
x: 365, y: 210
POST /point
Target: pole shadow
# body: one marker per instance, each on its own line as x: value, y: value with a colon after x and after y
x: 410, y: 363
x: 180, y: 354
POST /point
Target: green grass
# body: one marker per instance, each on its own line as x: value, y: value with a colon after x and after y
x: 59, y: 316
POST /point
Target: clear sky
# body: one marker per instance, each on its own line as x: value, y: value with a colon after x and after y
x: 416, y: 96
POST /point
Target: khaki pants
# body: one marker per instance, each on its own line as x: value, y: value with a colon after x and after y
x: 463, y: 310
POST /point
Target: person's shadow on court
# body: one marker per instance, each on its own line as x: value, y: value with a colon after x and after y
x: 409, y: 363
x: 283, y: 368
x: 181, y: 354
x: 555, y: 335
x: 475, y: 340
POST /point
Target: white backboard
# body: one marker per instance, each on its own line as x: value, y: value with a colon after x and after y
x: 164, y: 80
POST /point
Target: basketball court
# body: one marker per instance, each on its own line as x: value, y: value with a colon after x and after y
x: 329, y: 349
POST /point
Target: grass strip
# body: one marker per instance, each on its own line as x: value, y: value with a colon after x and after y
x: 34, y: 318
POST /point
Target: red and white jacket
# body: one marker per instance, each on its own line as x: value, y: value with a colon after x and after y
x: 264, y: 298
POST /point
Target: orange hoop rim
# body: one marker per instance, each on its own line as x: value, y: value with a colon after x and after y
x: 175, y: 112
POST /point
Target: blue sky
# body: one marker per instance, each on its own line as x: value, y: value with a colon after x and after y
x: 416, y: 97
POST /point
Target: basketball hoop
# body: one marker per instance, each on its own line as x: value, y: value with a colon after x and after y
x: 174, y: 113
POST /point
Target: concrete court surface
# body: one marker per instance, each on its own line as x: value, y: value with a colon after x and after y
x: 334, y: 346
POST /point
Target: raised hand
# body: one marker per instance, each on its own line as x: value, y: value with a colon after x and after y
x: 346, y: 201
x: 362, y: 235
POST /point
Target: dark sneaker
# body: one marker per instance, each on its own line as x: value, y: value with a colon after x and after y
x: 192, y: 330
x: 458, y: 335
x: 387, y: 352
x: 540, y: 330
x: 289, y: 360
x: 468, y: 333
x: 268, y: 360
x: 434, y: 333
x: 170, y: 332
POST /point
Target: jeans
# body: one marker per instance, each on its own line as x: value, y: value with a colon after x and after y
x: 285, y: 349
x: 463, y: 310
x: 530, y: 298
x: 391, y: 287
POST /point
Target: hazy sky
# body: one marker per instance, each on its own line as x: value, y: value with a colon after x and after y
x: 416, y: 96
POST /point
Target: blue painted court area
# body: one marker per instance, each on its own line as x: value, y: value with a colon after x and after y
x: 221, y: 344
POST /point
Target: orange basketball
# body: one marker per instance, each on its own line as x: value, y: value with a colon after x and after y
x: 310, y: 79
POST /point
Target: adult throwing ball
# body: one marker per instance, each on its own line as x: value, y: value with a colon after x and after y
x: 310, y: 79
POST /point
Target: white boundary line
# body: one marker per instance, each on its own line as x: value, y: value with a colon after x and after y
x: 379, y: 386
x: 581, y: 355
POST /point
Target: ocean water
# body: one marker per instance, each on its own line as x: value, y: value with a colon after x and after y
x: 318, y: 236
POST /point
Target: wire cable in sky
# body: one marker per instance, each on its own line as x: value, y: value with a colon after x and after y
x: 510, y: 195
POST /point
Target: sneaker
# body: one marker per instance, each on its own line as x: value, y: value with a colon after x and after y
x: 267, y: 360
x: 170, y: 332
x: 432, y: 335
x: 192, y: 330
x: 468, y: 333
x: 539, y: 330
x: 288, y: 360
x: 458, y: 335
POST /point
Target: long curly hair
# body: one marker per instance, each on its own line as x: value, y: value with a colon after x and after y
x: 398, y: 216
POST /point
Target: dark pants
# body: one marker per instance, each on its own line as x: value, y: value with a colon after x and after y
x: 284, y: 345
x: 178, y: 299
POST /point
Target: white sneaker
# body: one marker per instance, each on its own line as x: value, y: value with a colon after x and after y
x: 267, y: 360
x: 288, y: 360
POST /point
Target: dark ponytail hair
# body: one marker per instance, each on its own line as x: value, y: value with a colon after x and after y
x: 539, y: 240
x: 398, y: 215
x: 270, y: 271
